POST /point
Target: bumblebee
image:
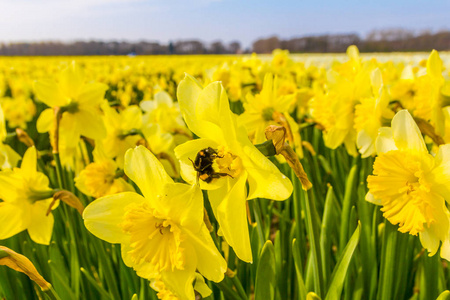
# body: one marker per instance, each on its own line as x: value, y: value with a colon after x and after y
x: 203, y: 164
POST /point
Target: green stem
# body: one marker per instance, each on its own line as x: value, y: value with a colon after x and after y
x: 227, y: 291
x: 51, y: 294
x: 238, y: 285
x: 59, y: 170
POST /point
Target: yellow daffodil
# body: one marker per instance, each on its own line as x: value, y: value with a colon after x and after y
x: 261, y: 110
x: 370, y: 114
x: 102, y: 177
x: 164, y: 112
x: 79, y: 101
x: 237, y: 162
x: 162, y: 233
x: 8, y: 157
x: 18, y: 111
x: 122, y: 131
x: 334, y: 110
x: 26, y: 199
x: 411, y: 185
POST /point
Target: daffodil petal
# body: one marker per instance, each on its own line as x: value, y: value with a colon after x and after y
x: 440, y: 175
x: 29, y: 161
x: 13, y: 219
x: 90, y: 125
x: 132, y: 118
x: 48, y: 92
x: 370, y: 198
x: 146, y: 171
x: 45, y: 121
x: 11, y: 184
x: 41, y: 226
x: 103, y: 216
x: 406, y: 134
x: 232, y: 217
x: 201, y: 287
x: 10, y: 157
x: 71, y: 80
x: 183, y: 203
x: 188, y: 93
x: 211, y: 264
x: 92, y: 94
x: 213, y: 106
x: 434, y: 64
x: 180, y: 283
x: 385, y: 140
x: 264, y: 178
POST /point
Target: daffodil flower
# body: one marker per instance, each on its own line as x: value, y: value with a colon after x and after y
x: 26, y: 198
x: 162, y: 233
x: 8, y: 157
x: 207, y: 114
x: 411, y: 185
x: 260, y: 109
x: 102, y: 177
x: 79, y: 100
x: 121, y: 130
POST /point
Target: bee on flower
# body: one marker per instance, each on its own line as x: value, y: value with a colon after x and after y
x: 236, y: 161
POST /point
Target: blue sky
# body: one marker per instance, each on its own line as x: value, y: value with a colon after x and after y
x: 209, y: 20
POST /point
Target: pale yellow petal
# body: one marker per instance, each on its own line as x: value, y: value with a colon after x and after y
x: 146, y: 171
x: 8, y: 157
x: 406, y: 133
x: 440, y: 175
x: 103, y: 216
x: 385, y: 140
x: 370, y: 198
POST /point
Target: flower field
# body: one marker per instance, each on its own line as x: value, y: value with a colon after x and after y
x: 282, y: 176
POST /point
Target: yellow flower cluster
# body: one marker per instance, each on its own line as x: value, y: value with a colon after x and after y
x: 144, y: 137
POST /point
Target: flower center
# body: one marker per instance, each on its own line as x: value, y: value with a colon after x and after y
x: 267, y: 113
x: 400, y: 183
x: 228, y: 163
x: 153, y: 239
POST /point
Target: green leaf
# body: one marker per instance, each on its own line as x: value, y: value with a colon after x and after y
x: 265, y: 274
x: 298, y: 270
x: 340, y: 270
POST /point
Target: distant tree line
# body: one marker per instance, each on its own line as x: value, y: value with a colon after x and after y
x: 386, y: 40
